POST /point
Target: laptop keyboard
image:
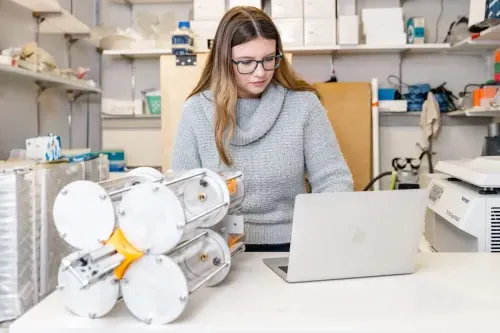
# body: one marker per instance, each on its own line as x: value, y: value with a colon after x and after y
x: 283, y: 268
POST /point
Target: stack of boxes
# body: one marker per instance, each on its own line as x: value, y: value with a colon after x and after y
x: 383, y: 26
x: 207, y: 15
x: 348, y: 22
x: 313, y: 23
x: 305, y: 22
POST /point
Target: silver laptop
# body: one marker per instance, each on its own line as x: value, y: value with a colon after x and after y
x: 352, y: 235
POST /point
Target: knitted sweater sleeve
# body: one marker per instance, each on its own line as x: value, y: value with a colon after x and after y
x: 325, y: 165
x: 185, y: 154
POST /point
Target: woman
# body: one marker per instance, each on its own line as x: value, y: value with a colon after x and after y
x: 251, y: 113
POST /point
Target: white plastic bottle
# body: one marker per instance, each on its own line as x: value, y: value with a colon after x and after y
x: 183, y: 39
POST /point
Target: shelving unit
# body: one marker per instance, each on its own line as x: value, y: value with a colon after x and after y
x: 487, y: 40
x: 48, y: 80
x: 63, y: 22
x: 476, y: 112
x: 139, y: 53
x: 462, y: 47
x: 40, y: 6
x: 51, y: 18
x: 307, y: 50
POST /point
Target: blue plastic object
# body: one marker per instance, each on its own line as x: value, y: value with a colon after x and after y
x: 386, y: 94
x: 184, y: 25
x: 416, y: 96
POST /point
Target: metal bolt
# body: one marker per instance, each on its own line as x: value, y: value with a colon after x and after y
x: 180, y: 226
x: 103, y: 196
x: 121, y: 212
x: 202, y: 197
x: 92, y: 315
x: 159, y: 260
x: 149, y: 319
x: 147, y: 251
x: 183, y: 298
x: 64, y: 191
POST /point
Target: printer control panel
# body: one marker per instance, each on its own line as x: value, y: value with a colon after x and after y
x: 435, y: 193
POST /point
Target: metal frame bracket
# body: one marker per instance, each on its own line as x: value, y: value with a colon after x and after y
x: 186, y: 60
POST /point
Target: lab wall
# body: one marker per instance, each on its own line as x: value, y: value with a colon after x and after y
x: 399, y: 133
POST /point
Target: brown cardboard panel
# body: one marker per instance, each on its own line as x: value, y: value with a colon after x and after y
x: 348, y: 106
x: 176, y: 84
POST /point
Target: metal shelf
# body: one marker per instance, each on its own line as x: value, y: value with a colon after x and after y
x: 476, y: 112
x: 54, y: 19
x: 48, y: 80
x: 40, y: 6
x: 337, y: 49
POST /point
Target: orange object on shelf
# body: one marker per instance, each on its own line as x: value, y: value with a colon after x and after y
x: 476, y: 97
x: 496, y: 55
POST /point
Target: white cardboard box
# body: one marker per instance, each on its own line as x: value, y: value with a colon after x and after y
x: 346, y: 7
x: 319, y: 9
x: 203, y: 31
x: 320, y: 32
x: 291, y: 31
x: 208, y: 10
x: 348, y: 30
x: 253, y: 3
x: 287, y: 9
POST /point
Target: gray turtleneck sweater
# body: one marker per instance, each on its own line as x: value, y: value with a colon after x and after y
x: 279, y: 138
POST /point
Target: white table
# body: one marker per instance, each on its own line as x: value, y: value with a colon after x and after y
x: 450, y: 293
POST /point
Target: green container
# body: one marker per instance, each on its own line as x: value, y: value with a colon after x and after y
x: 154, y: 102
x: 497, y: 67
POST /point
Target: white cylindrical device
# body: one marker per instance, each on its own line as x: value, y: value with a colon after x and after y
x: 87, y: 284
x: 84, y: 211
x: 155, y: 217
x: 156, y: 288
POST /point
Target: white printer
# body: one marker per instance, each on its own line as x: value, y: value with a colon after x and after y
x: 465, y: 199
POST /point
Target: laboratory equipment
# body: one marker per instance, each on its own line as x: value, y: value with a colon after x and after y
x: 154, y: 217
x: 167, y: 236
x: 84, y: 211
x: 464, y: 198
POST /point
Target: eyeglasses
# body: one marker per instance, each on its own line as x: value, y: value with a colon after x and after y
x: 249, y: 66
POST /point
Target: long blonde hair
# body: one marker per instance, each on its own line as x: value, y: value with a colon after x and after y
x: 238, y: 26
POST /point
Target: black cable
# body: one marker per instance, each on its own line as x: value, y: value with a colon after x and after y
x: 370, y: 184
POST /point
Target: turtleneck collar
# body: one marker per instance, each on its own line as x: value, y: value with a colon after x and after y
x: 261, y: 121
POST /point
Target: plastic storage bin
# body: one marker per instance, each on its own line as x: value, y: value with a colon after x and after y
x: 153, y: 98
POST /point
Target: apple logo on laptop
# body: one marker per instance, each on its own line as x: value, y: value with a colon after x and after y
x: 358, y: 236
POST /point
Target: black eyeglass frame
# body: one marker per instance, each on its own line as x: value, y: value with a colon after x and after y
x: 257, y: 62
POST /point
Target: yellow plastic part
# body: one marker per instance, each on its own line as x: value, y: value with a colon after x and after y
x: 231, y: 186
x: 123, y: 246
